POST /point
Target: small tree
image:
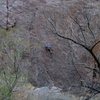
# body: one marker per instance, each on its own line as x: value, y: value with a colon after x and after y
x: 78, y: 30
x: 10, y: 72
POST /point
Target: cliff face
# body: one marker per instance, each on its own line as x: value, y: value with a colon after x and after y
x: 59, y: 66
x: 56, y: 61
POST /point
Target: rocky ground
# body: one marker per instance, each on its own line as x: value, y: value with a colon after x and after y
x: 30, y: 93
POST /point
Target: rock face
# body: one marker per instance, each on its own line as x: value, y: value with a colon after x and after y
x: 45, y: 93
x: 51, y: 58
x: 52, y: 66
x: 55, y: 61
x: 53, y: 94
x: 50, y: 94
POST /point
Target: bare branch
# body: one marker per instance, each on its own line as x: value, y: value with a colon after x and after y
x: 73, y: 61
x: 95, y: 45
x: 88, y: 24
x: 92, y: 70
x: 91, y: 88
x: 76, y: 21
x: 84, y: 46
x: 73, y: 41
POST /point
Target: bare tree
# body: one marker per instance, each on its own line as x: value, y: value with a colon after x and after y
x: 10, y: 72
x: 78, y: 31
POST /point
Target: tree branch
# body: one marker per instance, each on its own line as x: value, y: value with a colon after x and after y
x: 84, y: 46
x: 88, y: 25
x: 73, y: 41
x: 89, y: 87
x: 95, y: 45
x: 92, y: 70
x: 79, y: 27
